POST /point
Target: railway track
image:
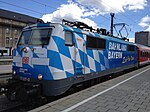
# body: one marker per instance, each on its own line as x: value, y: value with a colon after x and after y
x: 7, y: 106
x: 3, y: 81
x: 12, y: 108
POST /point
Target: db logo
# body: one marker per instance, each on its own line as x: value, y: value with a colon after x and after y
x: 25, y: 60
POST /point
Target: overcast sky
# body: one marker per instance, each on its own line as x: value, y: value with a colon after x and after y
x: 96, y: 13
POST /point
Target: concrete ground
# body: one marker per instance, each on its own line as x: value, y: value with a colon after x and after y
x: 5, y: 69
x: 127, y: 93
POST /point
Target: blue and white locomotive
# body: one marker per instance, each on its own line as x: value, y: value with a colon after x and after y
x: 49, y: 57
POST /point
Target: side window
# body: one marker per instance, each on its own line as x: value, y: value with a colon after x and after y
x: 141, y: 54
x: 91, y: 42
x: 147, y: 54
x: 95, y: 43
x: 144, y: 54
x: 130, y: 48
x: 68, y: 38
x: 101, y: 43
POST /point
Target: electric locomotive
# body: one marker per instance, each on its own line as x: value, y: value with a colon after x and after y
x: 50, y: 57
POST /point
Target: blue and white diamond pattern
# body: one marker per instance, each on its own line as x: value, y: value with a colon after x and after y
x: 61, y: 61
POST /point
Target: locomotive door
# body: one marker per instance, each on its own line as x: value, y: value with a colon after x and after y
x: 79, y: 54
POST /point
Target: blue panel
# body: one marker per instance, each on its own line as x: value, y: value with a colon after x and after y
x: 66, y: 28
x: 90, y: 34
x: 81, y: 54
x: 39, y: 69
x: 69, y: 74
x: 78, y: 32
x: 50, y: 54
x: 26, y: 66
x: 35, y: 55
x: 34, y: 72
x: 101, y: 56
x: 90, y: 53
x: 91, y: 71
x: 97, y: 65
x: 96, y: 34
x: 55, y: 60
x: 78, y: 69
x: 86, y: 61
x: 61, y: 46
x: 48, y: 74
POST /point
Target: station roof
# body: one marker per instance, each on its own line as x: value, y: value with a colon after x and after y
x: 17, y: 17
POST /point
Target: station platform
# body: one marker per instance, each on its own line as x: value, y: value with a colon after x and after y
x: 5, y: 69
x: 127, y: 93
x: 5, y: 65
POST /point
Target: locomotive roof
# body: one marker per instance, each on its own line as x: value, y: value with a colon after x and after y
x: 77, y: 30
x: 95, y: 34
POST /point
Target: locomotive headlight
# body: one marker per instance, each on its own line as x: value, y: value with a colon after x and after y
x: 14, y: 72
x: 40, y: 76
x: 25, y: 50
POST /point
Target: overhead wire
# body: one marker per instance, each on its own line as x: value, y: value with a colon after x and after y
x: 25, y: 8
x: 45, y: 6
x: 122, y: 15
x: 21, y: 7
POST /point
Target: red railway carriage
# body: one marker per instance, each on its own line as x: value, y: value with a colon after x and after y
x: 143, y: 54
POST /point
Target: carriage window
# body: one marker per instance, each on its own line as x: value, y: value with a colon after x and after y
x: 68, y: 38
x: 130, y: 48
x: 141, y: 54
x: 96, y: 43
x: 146, y: 54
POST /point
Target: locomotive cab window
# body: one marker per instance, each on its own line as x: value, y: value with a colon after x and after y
x: 24, y: 38
x: 40, y: 36
x: 35, y: 37
x: 68, y: 38
x: 130, y: 48
x: 95, y: 43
